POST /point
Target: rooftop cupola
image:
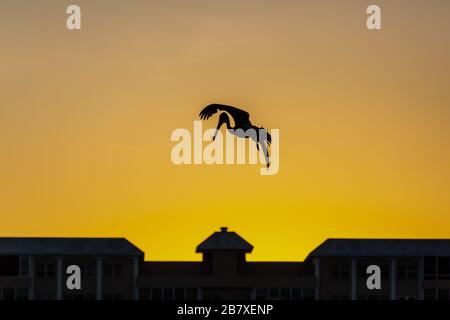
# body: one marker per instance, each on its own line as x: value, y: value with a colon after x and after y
x: 224, y: 252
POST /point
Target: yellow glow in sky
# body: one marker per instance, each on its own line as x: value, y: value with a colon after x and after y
x: 86, y: 118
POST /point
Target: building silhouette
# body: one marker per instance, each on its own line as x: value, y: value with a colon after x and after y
x: 115, y: 269
x: 34, y: 268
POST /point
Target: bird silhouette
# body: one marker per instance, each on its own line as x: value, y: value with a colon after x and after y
x: 243, y: 128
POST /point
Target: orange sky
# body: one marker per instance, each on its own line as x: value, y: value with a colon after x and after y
x: 86, y: 118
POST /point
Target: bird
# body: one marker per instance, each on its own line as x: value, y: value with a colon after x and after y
x: 243, y: 127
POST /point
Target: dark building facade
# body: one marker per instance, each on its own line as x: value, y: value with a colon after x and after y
x: 35, y: 268
x: 411, y: 269
x: 224, y: 273
x: 114, y: 269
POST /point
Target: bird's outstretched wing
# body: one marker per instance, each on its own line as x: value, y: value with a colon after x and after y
x: 240, y: 117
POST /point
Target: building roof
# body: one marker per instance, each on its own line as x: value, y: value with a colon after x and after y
x: 224, y: 240
x: 382, y: 247
x: 69, y: 246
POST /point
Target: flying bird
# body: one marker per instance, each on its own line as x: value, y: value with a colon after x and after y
x: 243, y: 128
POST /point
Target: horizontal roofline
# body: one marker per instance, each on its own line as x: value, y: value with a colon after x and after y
x: 381, y: 247
x: 68, y: 246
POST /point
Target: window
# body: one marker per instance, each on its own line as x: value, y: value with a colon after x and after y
x: 179, y: 293
x: 113, y: 270
x: 309, y: 294
x: 437, y: 268
x: 430, y: 268
x: 145, y: 293
x: 443, y: 266
x: 429, y: 294
x: 88, y: 270
x: 261, y: 294
x: 156, y: 294
x: 340, y: 271
x: 406, y: 272
x: 8, y: 294
x: 443, y: 294
x: 24, y: 266
x: 167, y: 293
x: 22, y: 293
x: 191, y: 294
x: 362, y: 270
x: 10, y: 266
x: 285, y: 294
x: 384, y: 271
x: 296, y: 294
x: 274, y: 294
x: 436, y: 294
x: 46, y: 270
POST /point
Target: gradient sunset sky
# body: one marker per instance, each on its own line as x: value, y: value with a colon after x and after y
x: 86, y: 118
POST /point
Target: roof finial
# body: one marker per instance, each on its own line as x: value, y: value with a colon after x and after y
x: 224, y: 229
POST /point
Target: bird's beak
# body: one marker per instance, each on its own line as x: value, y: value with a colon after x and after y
x: 217, y: 129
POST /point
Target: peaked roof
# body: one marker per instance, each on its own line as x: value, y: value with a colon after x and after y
x: 224, y: 240
x: 382, y: 247
x: 69, y: 246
